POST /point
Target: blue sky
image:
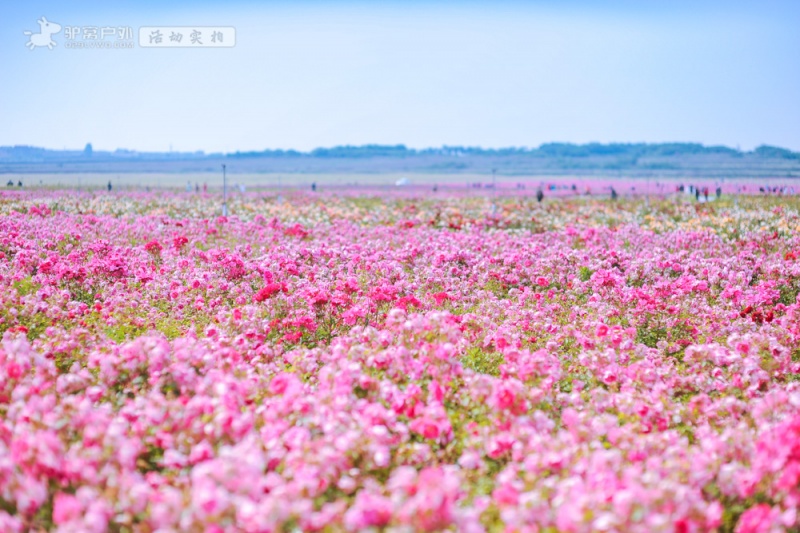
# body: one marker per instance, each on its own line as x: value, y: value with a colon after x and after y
x: 308, y: 74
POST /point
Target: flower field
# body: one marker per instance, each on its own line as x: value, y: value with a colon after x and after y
x: 345, y: 363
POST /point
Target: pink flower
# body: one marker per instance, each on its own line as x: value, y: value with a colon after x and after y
x: 153, y: 247
x: 282, y: 383
x: 368, y: 511
x: 323, y: 364
x: 440, y: 297
x: 425, y: 426
x: 296, y: 230
x: 757, y: 519
x: 268, y: 291
x: 505, y: 495
x: 609, y: 377
x: 66, y: 508
x: 714, y: 515
x: 508, y: 397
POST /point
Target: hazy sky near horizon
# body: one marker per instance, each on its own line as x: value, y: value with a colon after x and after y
x: 306, y: 74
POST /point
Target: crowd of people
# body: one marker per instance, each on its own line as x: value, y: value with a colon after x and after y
x: 702, y: 193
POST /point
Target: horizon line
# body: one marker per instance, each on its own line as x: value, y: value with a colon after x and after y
x: 404, y: 147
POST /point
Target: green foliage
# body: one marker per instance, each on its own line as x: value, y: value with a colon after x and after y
x: 496, y: 287
x: 35, y: 323
x: 43, y: 519
x: 171, y: 328
x: 482, y: 361
x: 565, y: 385
x: 171, y: 389
x: 122, y: 332
x: 80, y: 294
x: 788, y: 294
x: 64, y: 362
x: 650, y: 336
x: 150, y: 460
x: 7, y: 506
x: 636, y: 282
x: 585, y: 273
x: 26, y: 286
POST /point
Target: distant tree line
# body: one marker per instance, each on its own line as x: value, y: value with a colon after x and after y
x: 552, y: 150
x: 622, y: 152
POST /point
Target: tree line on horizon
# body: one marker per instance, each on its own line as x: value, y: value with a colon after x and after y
x: 634, y: 150
x: 547, y: 150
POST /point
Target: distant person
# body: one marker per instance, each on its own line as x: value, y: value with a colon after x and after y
x: 539, y: 195
x: 109, y: 185
x: 719, y: 192
x: 314, y: 187
x: 196, y: 187
x: 205, y: 187
x: 705, y: 192
x: 574, y: 188
x: 435, y: 188
x: 19, y: 183
x: 697, y: 194
x: 188, y: 186
x: 10, y: 183
x: 614, y: 194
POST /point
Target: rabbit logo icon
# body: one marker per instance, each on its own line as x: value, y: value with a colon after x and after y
x: 44, y: 37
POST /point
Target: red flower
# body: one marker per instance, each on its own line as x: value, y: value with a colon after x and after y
x: 153, y: 247
x: 440, y: 297
x: 296, y: 230
x: 426, y: 427
x: 269, y: 290
x: 405, y: 301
